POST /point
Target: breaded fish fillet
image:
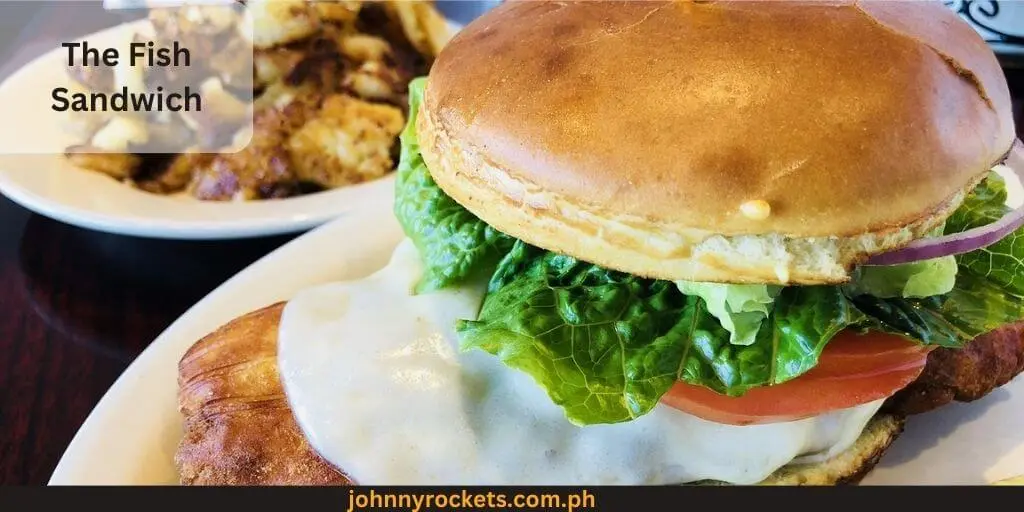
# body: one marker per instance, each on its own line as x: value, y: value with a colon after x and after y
x: 965, y: 374
x: 239, y: 429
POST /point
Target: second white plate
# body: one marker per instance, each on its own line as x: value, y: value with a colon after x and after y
x: 50, y: 185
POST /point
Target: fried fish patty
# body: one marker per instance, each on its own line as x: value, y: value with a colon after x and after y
x: 239, y: 429
x: 965, y: 374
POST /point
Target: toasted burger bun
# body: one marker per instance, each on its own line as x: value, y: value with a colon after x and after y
x: 777, y: 142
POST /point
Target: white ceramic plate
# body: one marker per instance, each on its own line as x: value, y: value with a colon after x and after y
x: 50, y: 185
x: 131, y: 435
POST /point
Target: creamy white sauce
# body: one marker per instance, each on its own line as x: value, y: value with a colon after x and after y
x: 380, y: 389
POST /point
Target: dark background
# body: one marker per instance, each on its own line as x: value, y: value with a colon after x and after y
x: 76, y: 307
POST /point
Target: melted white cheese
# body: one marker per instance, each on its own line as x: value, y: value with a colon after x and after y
x: 381, y: 391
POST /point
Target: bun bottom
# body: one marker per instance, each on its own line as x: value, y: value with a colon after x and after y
x: 239, y: 429
x: 847, y: 468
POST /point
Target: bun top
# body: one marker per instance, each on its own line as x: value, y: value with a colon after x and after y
x: 843, y: 118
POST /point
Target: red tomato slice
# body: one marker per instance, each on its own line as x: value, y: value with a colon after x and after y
x: 853, y: 354
x: 853, y: 369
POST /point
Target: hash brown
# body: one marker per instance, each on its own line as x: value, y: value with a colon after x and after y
x: 329, y: 83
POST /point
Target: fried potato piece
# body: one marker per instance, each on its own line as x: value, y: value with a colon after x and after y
x: 263, y: 164
x: 363, y: 47
x: 83, y: 125
x: 374, y: 81
x: 359, y: 54
x: 338, y: 11
x: 173, y: 174
x: 222, y: 116
x: 424, y: 27
x: 274, y: 64
x: 238, y: 427
x: 966, y: 374
x: 277, y: 22
x: 349, y: 141
x: 299, y: 139
x: 116, y: 165
x: 192, y: 26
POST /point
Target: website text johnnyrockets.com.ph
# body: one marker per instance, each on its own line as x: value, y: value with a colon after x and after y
x: 467, y: 499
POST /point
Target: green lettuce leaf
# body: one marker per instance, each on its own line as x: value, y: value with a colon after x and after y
x: 975, y: 306
x: 1002, y: 262
x: 607, y: 345
x: 740, y: 308
x: 988, y: 288
x: 454, y: 244
x: 912, y: 280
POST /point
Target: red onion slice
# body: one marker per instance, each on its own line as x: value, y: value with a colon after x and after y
x: 967, y: 241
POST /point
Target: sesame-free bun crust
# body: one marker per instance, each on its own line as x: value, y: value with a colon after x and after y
x: 629, y: 134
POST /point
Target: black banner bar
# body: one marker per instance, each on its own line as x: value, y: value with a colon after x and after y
x: 492, y: 499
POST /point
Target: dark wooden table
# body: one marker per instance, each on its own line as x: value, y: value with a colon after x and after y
x: 76, y: 307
